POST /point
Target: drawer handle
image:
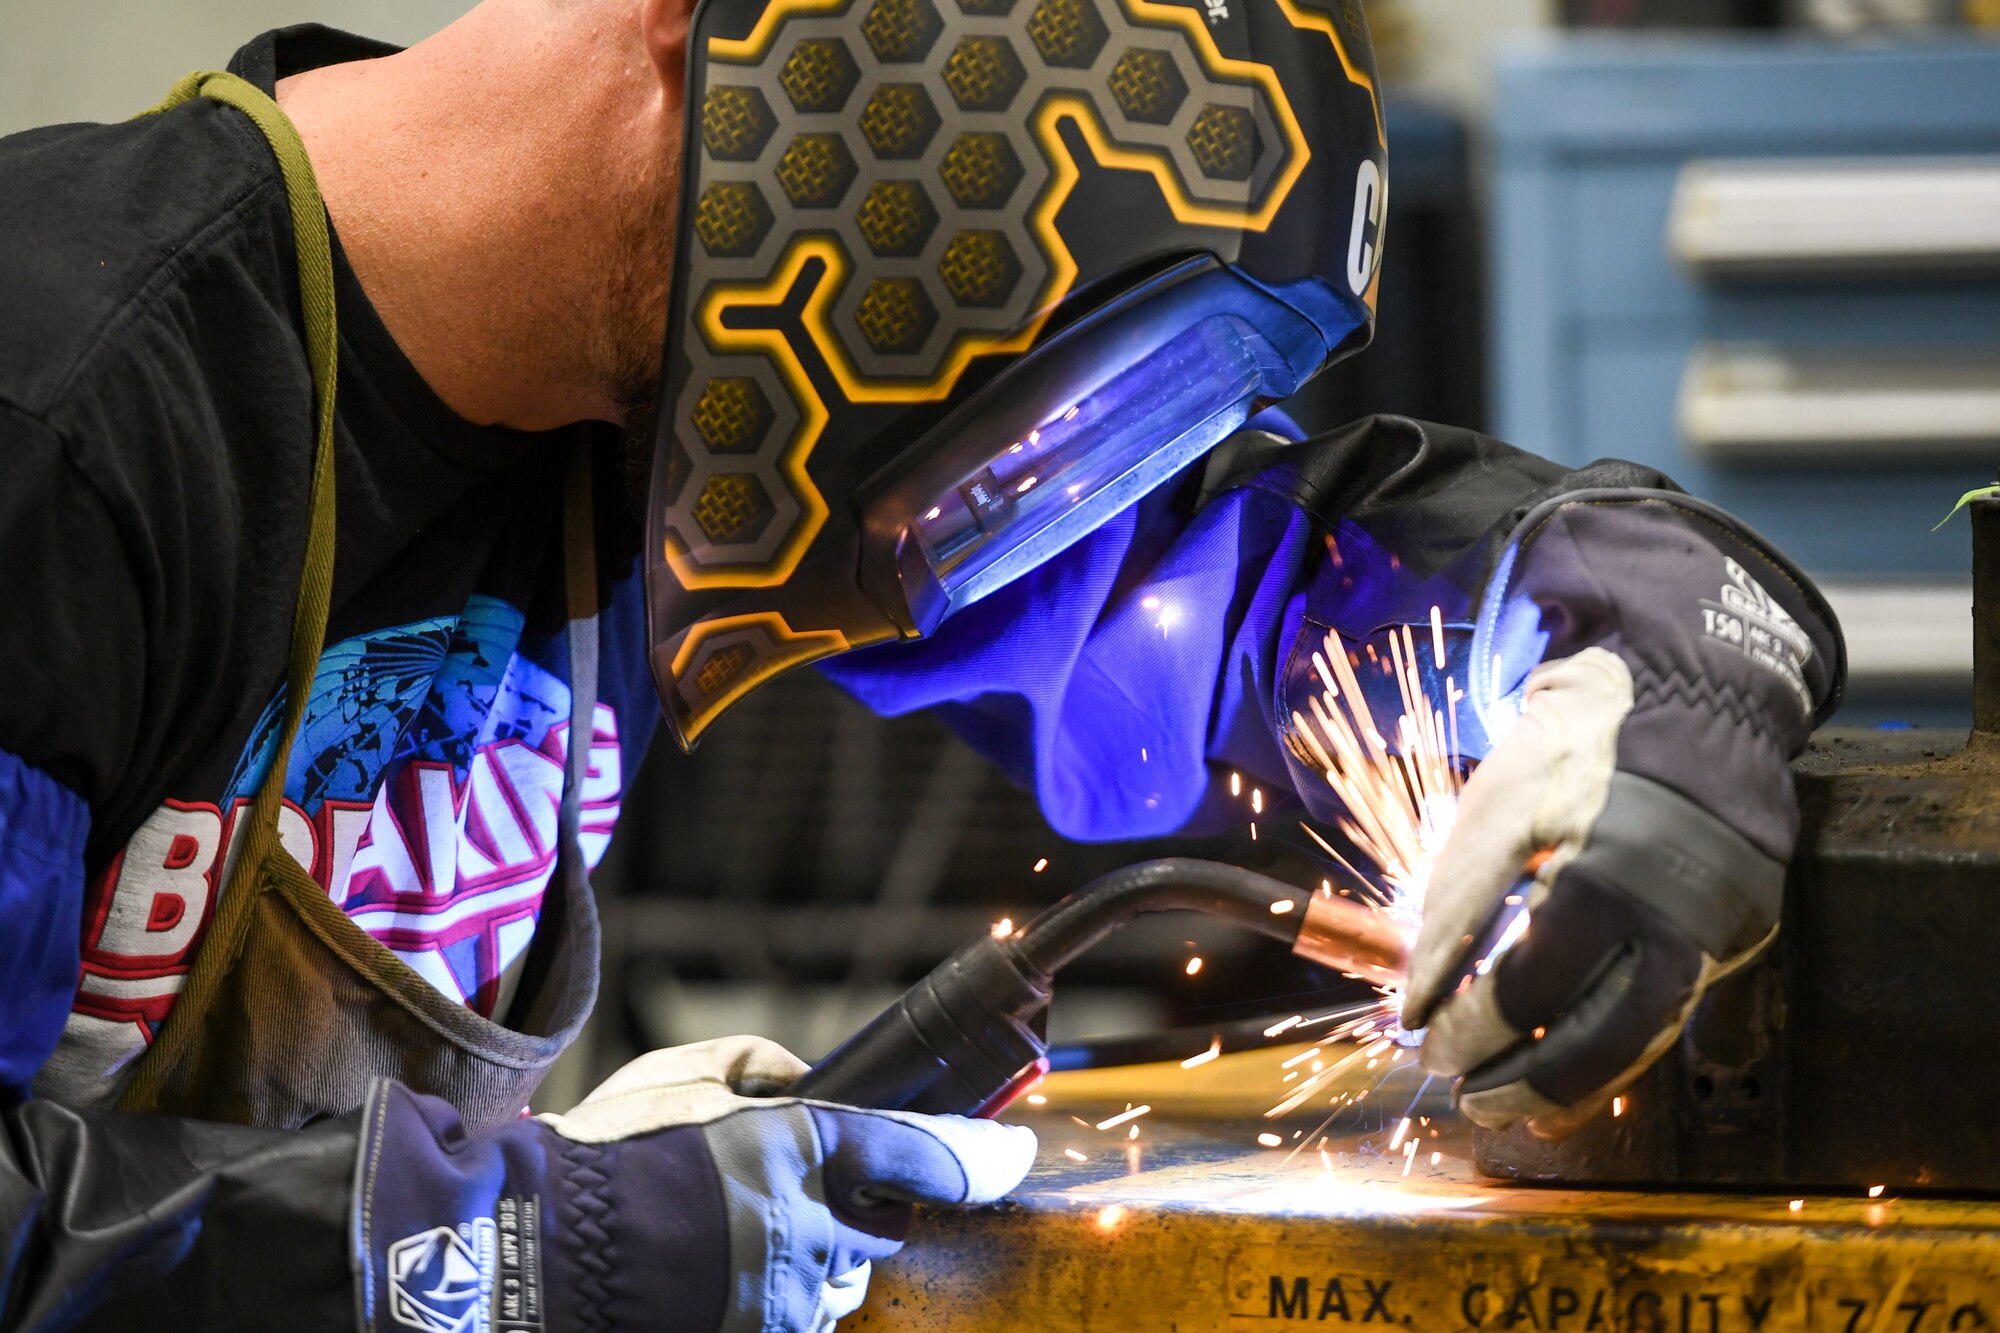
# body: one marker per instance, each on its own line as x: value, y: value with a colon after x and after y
x: 1793, y: 217
x: 1759, y: 403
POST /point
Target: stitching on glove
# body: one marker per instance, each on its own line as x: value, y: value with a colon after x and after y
x: 1656, y: 685
x: 589, y: 1241
x: 374, y: 1125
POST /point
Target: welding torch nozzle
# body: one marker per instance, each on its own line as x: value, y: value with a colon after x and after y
x: 1357, y: 940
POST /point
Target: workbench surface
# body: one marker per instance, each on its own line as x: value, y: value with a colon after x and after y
x: 1195, y: 1224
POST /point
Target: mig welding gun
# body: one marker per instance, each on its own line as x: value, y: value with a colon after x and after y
x: 971, y: 1036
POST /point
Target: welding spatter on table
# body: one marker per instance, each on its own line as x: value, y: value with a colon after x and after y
x: 970, y: 1036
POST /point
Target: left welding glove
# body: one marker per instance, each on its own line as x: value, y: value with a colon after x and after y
x: 1668, y: 665
x: 685, y: 1194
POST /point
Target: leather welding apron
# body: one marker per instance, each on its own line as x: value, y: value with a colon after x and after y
x: 290, y: 1009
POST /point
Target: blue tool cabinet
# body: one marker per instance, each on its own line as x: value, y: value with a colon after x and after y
x: 1600, y: 326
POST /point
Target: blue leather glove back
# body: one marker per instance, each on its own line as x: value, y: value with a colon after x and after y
x: 674, y: 1197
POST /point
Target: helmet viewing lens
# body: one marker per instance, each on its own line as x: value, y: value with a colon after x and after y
x: 1068, y: 451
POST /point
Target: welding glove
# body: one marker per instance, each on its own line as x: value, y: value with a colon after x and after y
x: 680, y: 1195
x: 1673, y: 664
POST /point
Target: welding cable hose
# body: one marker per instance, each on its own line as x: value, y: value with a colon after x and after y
x: 1332, y: 931
x: 968, y: 1037
x: 1668, y: 664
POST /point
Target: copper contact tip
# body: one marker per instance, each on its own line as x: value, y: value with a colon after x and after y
x: 1350, y: 938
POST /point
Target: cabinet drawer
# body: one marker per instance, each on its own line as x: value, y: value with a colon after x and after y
x: 1904, y: 633
x: 1849, y: 520
x: 1918, y: 215
x: 1816, y: 407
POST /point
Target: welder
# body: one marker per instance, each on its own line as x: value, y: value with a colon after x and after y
x: 385, y: 435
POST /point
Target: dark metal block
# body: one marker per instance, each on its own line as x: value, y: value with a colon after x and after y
x: 1862, y: 1049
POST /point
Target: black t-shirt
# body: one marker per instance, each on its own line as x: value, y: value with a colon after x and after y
x: 156, y: 432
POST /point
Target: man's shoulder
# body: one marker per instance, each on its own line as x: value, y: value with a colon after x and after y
x: 111, y: 236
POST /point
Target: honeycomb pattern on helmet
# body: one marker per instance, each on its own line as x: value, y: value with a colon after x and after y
x: 979, y: 268
x: 983, y: 73
x: 1067, y: 32
x: 736, y: 122
x: 899, y: 120
x: 896, y: 217
x: 980, y: 169
x: 895, y: 315
x: 900, y: 31
x: 1146, y: 85
x: 722, y: 668
x: 830, y: 130
x: 731, y: 218
x: 732, y: 414
x: 819, y: 75
x: 1224, y: 142
x: 816, y: 170
x: 733, y: 507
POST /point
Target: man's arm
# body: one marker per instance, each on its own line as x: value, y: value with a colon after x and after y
x: 114, y: 1220
x: 74, y: 629
x: 43, y: 825
x: 109, y: 1219
x: 69, y: 649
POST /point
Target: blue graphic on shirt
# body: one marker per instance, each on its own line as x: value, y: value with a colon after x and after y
x: 422, y: 795
x: 436, y: 689
x: 428, y: 772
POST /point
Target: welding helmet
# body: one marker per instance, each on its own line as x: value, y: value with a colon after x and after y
x: 958, y: 280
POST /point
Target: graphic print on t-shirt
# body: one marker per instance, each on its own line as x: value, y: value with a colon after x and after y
x: 422, y: 793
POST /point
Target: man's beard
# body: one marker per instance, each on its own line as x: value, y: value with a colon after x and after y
x: 634, y: 327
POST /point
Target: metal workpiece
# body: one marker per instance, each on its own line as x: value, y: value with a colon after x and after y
x: 1859, y: 1049
x: 1195, y: 1226
x: 1986, y: 618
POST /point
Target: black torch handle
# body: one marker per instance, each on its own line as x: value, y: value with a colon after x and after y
x: 968, y: 1038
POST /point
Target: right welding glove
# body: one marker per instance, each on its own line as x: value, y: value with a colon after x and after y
x: 1669, y: 664
x: 680, y: 1195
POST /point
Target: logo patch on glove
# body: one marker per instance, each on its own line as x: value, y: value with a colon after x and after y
x: 1746, y: 617
x: 484, y: 1276
x: 441, y: 1280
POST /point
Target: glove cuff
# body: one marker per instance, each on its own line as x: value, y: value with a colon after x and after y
x: 519, y: 1229
x: 1734, y: 654
x: 1675, y: 529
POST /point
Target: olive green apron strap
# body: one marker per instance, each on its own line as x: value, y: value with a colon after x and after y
x: 254, y: 846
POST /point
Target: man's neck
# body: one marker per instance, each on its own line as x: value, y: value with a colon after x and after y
x: 480, y: 232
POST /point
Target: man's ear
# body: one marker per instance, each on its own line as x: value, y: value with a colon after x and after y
x: 663, y: 25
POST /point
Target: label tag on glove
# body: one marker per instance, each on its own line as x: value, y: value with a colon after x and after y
x: 1745, y: 617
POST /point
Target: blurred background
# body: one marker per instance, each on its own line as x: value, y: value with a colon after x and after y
x: 1755, y: 243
